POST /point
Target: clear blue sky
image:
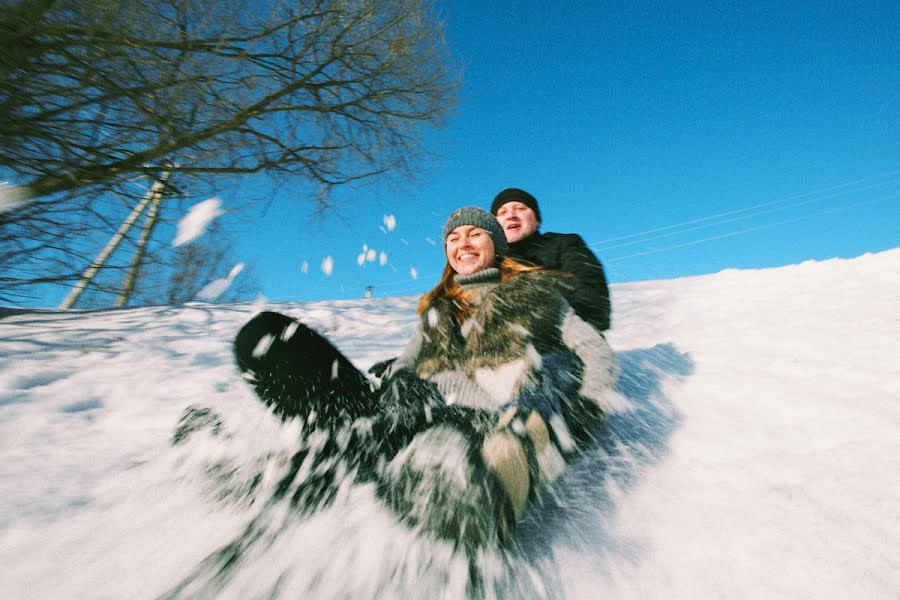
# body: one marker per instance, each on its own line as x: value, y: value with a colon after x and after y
x: 766, y: 132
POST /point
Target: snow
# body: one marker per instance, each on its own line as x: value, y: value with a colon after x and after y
x: 327, y: 266
x: 194, y: 224
x: 217, y: 287
x: 760, y: 460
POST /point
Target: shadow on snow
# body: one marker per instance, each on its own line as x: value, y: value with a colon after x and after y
x: 577, y: 514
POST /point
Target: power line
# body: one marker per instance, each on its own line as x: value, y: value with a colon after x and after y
x: 745, y: 217
x: 749, y: 229
x: 789, y: 202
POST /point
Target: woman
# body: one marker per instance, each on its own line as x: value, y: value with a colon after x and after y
x: 501, y: 382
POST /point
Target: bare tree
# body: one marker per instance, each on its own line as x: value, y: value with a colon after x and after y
x: 332, y: 90
x: 95, y: 94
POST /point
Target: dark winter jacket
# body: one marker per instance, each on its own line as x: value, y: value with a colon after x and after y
x: 586, y: 290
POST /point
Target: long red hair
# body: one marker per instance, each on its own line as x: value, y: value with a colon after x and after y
x: 449, y: 289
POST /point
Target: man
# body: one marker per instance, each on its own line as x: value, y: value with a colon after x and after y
x: 586, y: 290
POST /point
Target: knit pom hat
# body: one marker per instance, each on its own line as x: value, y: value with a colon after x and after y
x: 515, y: 194
x: 472, y: 215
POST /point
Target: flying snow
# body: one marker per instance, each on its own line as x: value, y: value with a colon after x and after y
x: 263, y: 345
x: 382, y: 259
x: 289, y: 331
x: 194, y: 224
x: 413, y: 273
x: 390, y: 222
x: 327, y: 266
x: 367, y: 255
x: 304, y: 266
x: 217, y: 287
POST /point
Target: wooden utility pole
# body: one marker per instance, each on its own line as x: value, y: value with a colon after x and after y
x: 155, y: 192
x: 149, y: 223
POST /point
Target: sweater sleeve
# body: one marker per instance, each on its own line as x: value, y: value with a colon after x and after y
x: 601, y: 369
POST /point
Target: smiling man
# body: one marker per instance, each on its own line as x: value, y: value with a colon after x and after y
x: 586, y: 290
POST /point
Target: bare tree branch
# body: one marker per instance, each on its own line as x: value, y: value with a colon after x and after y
x: 95, y: 94
x: 95, y: 91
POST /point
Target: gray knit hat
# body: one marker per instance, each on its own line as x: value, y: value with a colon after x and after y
x: 472, y: 215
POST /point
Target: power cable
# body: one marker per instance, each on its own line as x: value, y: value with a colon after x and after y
x: 788, y: 201
x: 749, y: 229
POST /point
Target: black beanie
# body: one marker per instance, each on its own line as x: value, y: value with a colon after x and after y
x: 511, y: 194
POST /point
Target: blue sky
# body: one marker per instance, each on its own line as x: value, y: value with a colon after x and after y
x: 737, y: 136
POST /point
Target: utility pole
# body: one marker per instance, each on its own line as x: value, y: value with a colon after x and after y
x: 149, y: 223
x: 155, y: 192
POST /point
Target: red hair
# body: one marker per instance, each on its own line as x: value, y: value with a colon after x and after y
x: 448, y: 288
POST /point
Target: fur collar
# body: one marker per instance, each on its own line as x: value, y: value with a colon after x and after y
x: 515, y: 319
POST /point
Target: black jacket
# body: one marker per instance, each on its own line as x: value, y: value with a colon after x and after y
x: 586, y: 290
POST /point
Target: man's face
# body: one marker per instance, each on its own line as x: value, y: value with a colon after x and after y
x: 518, y: 221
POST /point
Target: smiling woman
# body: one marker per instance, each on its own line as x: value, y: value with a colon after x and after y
x: 473, y: 240
x: 469, y: 250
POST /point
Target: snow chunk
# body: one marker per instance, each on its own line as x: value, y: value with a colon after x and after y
x: 370, y: 255
x: 217, y: 287
x: 382, y: 259
x: 327, y: 266
x: 563, y: 435
x: 504, y: 381
x: 263, y: 345
x: 289, y: 331
x: 194, y: 224
x: 304, y: 267
x: 413, y: 273
x: 390, y: 222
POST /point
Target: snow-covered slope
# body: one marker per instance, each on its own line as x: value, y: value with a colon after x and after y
x: 760, y: 460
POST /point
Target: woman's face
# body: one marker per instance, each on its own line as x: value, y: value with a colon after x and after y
x: 470, y: 249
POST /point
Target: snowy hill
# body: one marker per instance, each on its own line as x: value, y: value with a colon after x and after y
x: 760, y: 461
